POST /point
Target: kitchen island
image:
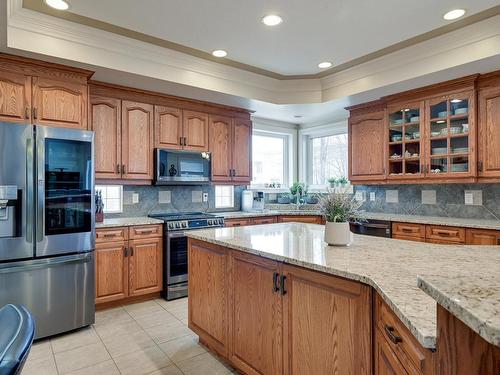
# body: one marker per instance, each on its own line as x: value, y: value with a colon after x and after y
x: 275, y: 299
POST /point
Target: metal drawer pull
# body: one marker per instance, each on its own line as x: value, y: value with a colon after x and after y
x: 442, y: 233
x: 276, y: 288
x: 145, y: 232
x: 391, y: 334
x: 498, y: 241
x: 108, y: 235
x: 408, y: 230
x: 282, y: 285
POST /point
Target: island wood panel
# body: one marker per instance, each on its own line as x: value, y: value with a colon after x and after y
x: 238, y: 222
x: 385, y: 360
x: 111, y: 271
x: 264, y: 220
x: 326, y: 324
x: 208, y: 294
x: 482, y: 237
x: 255, y: 315
x: 242, y: 150
x: 59, y: 103
x: 309, y: 219
x: 366, y: 147
x: 414, y: 231
x: 489, y: 132
x: 461, y: 351
x: 168, y: 128
x: 195, y: 130
x: 221, y: 148
x: 105, y: 121
x: 15, y: 97
x: 137, y: 141
x: 444, y: 235
x: 146, y: 266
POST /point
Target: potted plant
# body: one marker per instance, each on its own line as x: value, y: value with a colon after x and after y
x: 297, y: 190
x: 343, y: 181
x: 311, y: 199
x: 338, y: 209
x: 332, y: 181
x: 284, y: 198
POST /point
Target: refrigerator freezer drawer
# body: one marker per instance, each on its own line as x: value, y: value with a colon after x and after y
x: 58, y: 291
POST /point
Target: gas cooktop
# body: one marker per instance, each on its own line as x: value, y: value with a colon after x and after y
x: 189, y: 220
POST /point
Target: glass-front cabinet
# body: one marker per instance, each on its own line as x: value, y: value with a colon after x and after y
x: 405, y: 140
x: 450, y: 131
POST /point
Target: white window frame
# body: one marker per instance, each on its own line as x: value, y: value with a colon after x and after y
x: 106, y: 211
x: 232, y: 196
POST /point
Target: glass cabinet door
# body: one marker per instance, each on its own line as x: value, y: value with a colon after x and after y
x: 449, y: 136
x: 405, y: 151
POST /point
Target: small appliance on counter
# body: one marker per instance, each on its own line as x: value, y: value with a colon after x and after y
x: 247, y: 200
x: 258, y: 203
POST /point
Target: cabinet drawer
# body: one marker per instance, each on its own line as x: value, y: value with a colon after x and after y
x: 238, y: 222
x: 444, y: 235
x: 111, y: 235
x: 408, y: 238
x: 146, y: 231
x: 482, y: 237
x: 408, y: 230
x: 300, y: 219
x: 264, y: 220
x: 401, y: 341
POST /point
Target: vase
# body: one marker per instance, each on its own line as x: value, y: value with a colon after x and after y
x: 338, y: 234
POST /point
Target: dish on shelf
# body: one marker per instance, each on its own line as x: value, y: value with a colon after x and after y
x: 408, y: 137
x: 398, y: 121
x: 407, y: 154
x: 461, y: 111
x: 456, y: 130
x: 444, y: 131
x: 435, y: 134
x: 460, y: 150
x: 439, y: 150
x: 416, y: 135
x: 462, y: 167
x: 414, y: 118
x: 465, y: 128
x: 437, y: 170
x: 395, y: 156
x: 415, y: 155
x: 443, y: 114
x: 397, y: 137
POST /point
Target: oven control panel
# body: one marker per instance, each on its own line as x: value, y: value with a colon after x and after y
x: 193, y: 224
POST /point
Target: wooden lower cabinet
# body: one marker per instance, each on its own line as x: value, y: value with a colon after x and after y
x: 316, y: 219
x: 385, y: 360
x: 127, y: 268
x: 482, y: 237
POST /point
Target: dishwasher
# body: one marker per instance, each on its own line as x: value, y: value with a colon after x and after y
x: 378, y: 228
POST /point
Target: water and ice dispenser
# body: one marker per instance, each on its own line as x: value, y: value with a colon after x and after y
x: 10, y: 202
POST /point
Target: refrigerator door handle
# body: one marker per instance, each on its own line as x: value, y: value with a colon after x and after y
x: 30, y: 194
x: 45, y: 263
x: 40, y: 198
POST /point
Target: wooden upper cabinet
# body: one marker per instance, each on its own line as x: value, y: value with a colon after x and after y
x: 489, y: 132
x: 366, y: 147
x: 137, y: 141
x: 326, y: 324
x: 242, y: 150
x: 105, y: 121
x: 146, y: 266
x: 111, y: 271
x: 221, y: 147
x: 256, y: 315
x: 59, y: 103
x: 15, y: 97
x: 195, y: 131
x: 168, y: 128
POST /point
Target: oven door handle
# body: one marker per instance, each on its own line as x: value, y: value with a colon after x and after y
x: 176, y: 234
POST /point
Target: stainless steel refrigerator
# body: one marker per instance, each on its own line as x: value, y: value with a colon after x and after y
x: 47, y: 224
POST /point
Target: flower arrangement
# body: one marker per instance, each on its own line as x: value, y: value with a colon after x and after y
x: 340, y: 208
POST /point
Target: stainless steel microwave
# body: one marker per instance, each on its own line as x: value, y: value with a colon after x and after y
x: 181, y: 167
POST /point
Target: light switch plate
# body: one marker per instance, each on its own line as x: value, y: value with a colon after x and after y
x: 196, y: 196
x: 372, y: 196
x: 392, y: 196
x: 360, y: 196
x: 164, y: 196
x: 429, y: 197
x: 135, y: 198
x: 473, y: 197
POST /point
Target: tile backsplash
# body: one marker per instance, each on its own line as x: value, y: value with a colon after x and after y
x: 181, y: 198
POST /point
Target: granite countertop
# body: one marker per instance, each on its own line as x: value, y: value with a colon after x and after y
x: 127, y: 222
x: 390, y: 266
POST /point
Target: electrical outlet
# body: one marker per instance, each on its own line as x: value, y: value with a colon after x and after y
x: 135, y: 198
x: 205, y: 197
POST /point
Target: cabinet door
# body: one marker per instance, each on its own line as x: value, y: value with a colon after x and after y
x: 145, y: 268
x: 111, y: 272
x: 137, y: 141
x: 15, y: 97
x: 208, y: 294
x: 326, y: 324
x: 255, y: 315
x: 168, y: 128
x: 60, y: 104
x: 489, y: 132
x: 242, y: 150
x: 105, y: 121
x: 386, y: 361
x: 220, y: 147
x: 195, y: 130
x: 482, y: 237
x: 366, y: 147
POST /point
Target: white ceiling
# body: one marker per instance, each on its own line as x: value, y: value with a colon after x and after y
x: 312, y: 31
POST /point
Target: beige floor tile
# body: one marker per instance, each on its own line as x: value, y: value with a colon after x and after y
x: 142, y: 362
x: 104, y: 368
x: 180, y: 313
x: 73, y: 340
x: 82, y: 357
x: 182, y: 348
x: 169, y: 370
x: 204, y: 364
x: 175, y: 304
x: 155, y: 319
x: 142, y: 308
x: 118, y: 314
x: 40, y: 350
x: 128, y: 343
x: 40, y: 366
x: 112, y: 329
x: 185, y: 321
x: 167, y: 332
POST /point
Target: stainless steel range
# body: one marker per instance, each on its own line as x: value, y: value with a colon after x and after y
x: 175, y: 249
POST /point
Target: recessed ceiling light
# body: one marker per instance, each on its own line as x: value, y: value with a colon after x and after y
x: 272, y: 20
x: 324, y: 64
x: 57, y: 4
x: 454, y: 14
x: 219, y: 53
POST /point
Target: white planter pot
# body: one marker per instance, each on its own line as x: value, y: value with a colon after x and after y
x: 338, y: 234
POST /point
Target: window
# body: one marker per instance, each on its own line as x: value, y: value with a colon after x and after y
x: 112, y: 197
x: 327, y: 157
x: 224, y: 196
x: 269, y: 158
